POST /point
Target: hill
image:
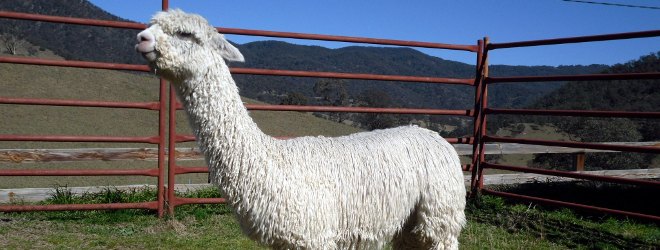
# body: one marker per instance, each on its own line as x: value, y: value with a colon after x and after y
x: 74, y: 42
x: 389, y: 61
x: 629, y: 95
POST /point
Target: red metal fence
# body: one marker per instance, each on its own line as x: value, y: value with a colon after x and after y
x: 166, y: 198
x: 484, y: 111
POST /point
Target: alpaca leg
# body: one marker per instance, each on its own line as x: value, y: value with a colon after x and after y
x: 440, y: 231
x: 407, y: 238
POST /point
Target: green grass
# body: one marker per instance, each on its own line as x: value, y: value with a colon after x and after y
x: 493, y: 223
x: 563, y: 227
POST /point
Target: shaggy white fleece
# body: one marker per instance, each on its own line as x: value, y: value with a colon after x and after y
x: 364, y: 190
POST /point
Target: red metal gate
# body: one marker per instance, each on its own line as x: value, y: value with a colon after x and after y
x: 167, y: 199
x: 486, y: 80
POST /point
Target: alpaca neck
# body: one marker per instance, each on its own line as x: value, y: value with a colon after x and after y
x: 227, y: 135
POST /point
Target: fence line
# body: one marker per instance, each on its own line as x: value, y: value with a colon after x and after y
x: 18, y: 195
x: 187, y: 154
x: 479, y: 163
x: 479, y: 113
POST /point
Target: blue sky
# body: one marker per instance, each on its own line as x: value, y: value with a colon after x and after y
x: 443, y: 21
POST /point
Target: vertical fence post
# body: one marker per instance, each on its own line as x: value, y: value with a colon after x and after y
x: 171, y: 163
x: 162, y: 110
x: 161, y: 146
x: 161, y: 154
x: 476, y: 118
x: 484, y: 105
x: 579, y: 161
x: 479, y: 120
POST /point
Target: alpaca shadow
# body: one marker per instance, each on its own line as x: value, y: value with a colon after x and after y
x: 558, y: 231
x: 566, y: 231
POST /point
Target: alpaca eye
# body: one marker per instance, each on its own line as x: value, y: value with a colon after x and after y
x: 185, y: 35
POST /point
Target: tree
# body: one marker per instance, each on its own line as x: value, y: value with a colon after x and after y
x: 379, y: 99
x: 294, y: 98
x: 11, y: 43
x: 332, y: 92
x: 11, y: 39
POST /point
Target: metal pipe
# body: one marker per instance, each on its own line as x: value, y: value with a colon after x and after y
x: 171, y: 157
x: 591, y: 145
x: 73, y: 138
x: 459, y: 140
x: 171, y: 148
x: 655, y: 184
x: 75, y: 64
x: 162, y: 126
x: 355, y: 76
x: 190, y: 170
x: 586, y: 77
x: 582, y: 113
x: 476, y: 120
x: 247, y: 32
x: 570, y: 205
x: 71, y: 20
x: 358, y: 109
x: 78, y: 172
x: 152, y: 205
x: 271, y: 72
x: 184, y: 201
x: 80, y: 103
x: 578, y: 39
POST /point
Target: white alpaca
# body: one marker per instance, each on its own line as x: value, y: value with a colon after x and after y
x: 364, y: 190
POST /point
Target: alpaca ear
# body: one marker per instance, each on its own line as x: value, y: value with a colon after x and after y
x: 227, y: 51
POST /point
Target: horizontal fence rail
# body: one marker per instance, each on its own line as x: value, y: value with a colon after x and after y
x: 152, y: 205
x: 80, y: 138
x: 588, y: 77
x: 78, y: 172
x: 247, y: 32
x: 354, y: 76
x: 576, y: 175
x: 359, y: 109
x: 462, y: 140
x: 462, y: 146
x: 74, y: 64
x: 582, y: 113
x: 591, y: 145
x: 579, y: 39
x: 471, y: 48
x: 71, y: 20
x: 80, y: 103
x: 252, y: 71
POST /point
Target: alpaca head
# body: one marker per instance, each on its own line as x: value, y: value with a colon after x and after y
x: 178, y: 45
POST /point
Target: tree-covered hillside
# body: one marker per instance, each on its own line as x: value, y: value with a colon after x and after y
x: 629, y: 95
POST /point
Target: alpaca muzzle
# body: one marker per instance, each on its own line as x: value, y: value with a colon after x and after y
x: 146, y: 45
